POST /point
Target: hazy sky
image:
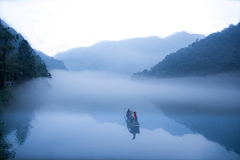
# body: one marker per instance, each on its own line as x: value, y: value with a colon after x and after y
x: 56, y: 25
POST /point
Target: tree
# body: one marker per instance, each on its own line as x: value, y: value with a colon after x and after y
x: 26, y: 62
x: 217, y: 53
x: 6, y: 48
x: 17, y: 65
x: 41, y: 68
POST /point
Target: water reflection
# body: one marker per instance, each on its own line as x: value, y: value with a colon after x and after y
x: 63, y: 132
x: 17, y: 121
x: 222, y: 128
x: 81, y: 117
x: 68, y: 133
x: 133, y: 130
x: 6, y: 150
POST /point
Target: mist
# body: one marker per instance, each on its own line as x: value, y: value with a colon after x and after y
x: 81, y: 110
x: 125, y: 56
x: 218, y: 94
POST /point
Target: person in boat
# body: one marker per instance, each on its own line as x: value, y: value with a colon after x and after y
x: 135, y: 118
x: 128, y: 114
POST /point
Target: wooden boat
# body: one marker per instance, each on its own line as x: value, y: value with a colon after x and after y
x: 131, y: 122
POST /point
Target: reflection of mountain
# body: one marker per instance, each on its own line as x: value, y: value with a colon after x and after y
x: 18, y: 123
x: 18, y: 116
x: 150, y: 117
x: 6, y: 150
x: 221, y: 128
x: 159, y: 120
x: 148, y: 120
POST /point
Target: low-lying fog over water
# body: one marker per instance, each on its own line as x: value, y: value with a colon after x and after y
x: 80, y: 115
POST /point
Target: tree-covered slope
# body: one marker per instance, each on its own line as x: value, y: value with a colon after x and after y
x: 18, y: 64
x: 51, y: 63
x: 217, y: 53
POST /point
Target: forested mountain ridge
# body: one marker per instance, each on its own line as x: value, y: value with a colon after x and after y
x: 19, y: 64
x: 217, y: 53
x: 125, y: 56
x: 50, y: 62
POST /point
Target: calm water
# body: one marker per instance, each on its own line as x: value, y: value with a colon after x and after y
x: 55, y: 126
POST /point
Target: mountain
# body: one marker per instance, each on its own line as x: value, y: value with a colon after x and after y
x: 50, y: 62
x: 17, y: 64
x: 125, y: 56
x: 217, y: 53
x: 13, y: 32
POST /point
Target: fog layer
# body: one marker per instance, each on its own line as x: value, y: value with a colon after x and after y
x: 81, y: 110
x: 88, y: 89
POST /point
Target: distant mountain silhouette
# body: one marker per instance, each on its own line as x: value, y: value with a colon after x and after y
x: 125, y: 56
x: 217, y: 53
x: 50, y: 62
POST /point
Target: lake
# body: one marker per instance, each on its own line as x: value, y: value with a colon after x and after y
x: 81, y: 116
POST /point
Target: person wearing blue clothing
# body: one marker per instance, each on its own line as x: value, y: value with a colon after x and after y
x: 128, y: 114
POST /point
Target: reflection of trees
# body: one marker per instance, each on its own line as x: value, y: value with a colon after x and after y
x: 20, y: 123
x: 22, y: 133
x: 6, y: 151
x: 17, y: 122
x: 219, y: 127
x: 18, y: 116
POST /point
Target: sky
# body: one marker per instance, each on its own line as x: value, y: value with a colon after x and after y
x: 52, y: 26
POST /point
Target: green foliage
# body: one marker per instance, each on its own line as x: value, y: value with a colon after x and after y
x: 5, y: 52
x: 51, y: 63
x: 6, y: 151
x: 26, y: 62
x: 41, y: 68
x: 217, y: 53
x: 6, y: 95
x: 19, y: 66
x: 29, y: 64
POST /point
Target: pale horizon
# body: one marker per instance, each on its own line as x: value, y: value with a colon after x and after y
x: 58, y: 25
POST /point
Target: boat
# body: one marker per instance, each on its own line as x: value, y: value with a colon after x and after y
x: 131, y: 121
x: 132, y: 128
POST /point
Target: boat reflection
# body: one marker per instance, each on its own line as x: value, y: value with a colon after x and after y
x: 133, y: 129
